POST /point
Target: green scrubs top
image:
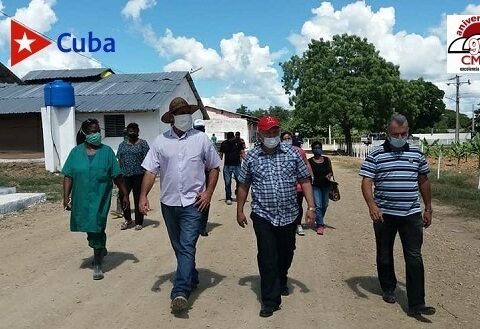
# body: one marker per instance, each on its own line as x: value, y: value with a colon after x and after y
x: 91, y: 187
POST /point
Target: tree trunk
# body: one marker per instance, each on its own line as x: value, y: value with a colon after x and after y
x: 348, y: 140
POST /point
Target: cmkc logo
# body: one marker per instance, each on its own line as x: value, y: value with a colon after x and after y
x: 463, y: 38
x: 25, y: 42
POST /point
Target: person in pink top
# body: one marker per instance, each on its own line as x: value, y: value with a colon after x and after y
x: 286, y: 138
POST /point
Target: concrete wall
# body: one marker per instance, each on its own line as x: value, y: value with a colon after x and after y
x: 221, y: 123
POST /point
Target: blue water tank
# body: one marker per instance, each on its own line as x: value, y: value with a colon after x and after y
x: 59, y: 93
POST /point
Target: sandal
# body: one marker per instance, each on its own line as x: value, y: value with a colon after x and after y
x: 126, y: 224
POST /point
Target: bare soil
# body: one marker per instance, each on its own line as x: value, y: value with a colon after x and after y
x: 46, y: 282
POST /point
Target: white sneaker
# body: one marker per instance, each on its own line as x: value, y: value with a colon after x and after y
x: 229, y: 202
x: 179, y: 304
x: 300, y: 230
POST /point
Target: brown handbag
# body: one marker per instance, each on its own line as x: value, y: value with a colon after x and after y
x: 334, y: 193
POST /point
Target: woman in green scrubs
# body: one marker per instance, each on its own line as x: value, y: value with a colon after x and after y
x: 87, y: 189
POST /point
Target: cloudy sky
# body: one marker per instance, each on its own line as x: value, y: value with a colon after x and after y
x: 237, y: 45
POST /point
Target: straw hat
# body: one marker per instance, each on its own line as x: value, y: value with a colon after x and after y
x: 178, y: 103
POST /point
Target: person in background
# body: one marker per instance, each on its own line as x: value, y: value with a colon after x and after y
x: 399, y: 170
x: 240, y: 140
x: 130, y: 154
x: 87, y: 189
x: 214, y: 139
x: 180, y: 156
x: 199, y: 125
x: 118, y: 212
x: 286, y: 138
x: 272, y: 170
x: 233, y: 151
x: 322, y: 176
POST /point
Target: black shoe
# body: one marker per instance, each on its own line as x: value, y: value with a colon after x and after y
x: 285, y: 291
x: 97, y: 263
x: 421, y: 309
x: 266, y: 312
x: 389, y: 297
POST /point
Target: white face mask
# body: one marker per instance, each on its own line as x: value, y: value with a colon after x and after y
x: 271, y: 142
x: 183, y: 122
x: 288, y: 141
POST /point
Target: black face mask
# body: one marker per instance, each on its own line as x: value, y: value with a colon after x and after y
x: 133, y: 136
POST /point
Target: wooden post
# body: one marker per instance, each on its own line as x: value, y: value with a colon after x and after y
x: 439, y: 161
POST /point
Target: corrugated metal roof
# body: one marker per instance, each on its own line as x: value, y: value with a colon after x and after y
x: 116, y: 93
x: 63, y: 74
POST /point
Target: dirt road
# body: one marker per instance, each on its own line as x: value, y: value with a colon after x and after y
x: 45, y: 280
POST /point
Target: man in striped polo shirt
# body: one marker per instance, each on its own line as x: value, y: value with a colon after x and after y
x: 398, y: 171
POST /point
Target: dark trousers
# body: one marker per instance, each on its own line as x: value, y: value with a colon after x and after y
x: 298, y: 220
x: 410, y: 229
x: 97, y: 240
x: 133, y: 183
x: 276, y: 245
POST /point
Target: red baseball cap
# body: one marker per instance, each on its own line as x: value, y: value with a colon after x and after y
x: 268, y: 122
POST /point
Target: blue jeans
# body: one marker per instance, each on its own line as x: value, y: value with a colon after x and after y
x: 227, y: 176
x: 320, y: 195
x: 183, y: 226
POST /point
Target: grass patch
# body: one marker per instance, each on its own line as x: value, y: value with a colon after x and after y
x: 458, y: 189
x: 32, y: 178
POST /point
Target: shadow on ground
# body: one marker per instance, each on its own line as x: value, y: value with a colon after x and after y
x: 362, y: 286
x: 111, y: 261
x: 207, y: 278
x: 254, y: 282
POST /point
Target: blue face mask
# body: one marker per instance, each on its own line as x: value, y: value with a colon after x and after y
x: 398, y: 143
x: 317, y: 152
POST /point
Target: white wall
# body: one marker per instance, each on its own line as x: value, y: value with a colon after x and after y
x: 219, y: 124
x: 148, y: 122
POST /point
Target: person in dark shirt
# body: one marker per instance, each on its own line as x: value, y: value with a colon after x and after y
x: 234, y: 152
x: 240, y: 140
x: 322, y: 176
x: 130, y: 154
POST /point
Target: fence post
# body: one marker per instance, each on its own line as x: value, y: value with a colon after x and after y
x: 438, y: 169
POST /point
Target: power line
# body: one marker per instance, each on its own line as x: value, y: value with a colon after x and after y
x: 47, y: 37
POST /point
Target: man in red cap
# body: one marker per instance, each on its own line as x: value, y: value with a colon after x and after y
x: 272, y: 169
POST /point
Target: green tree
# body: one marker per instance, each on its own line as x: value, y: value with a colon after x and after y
x: 448, y: 121
x: 341, y: 82
x: 242, y: 109
x: 421, y: 102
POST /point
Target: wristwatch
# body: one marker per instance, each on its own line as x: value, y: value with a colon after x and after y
x: 430, y: 210
x: 312, y: 208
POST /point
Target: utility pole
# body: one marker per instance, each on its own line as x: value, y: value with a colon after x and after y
x: 473, y: 119
x: 458, y: 83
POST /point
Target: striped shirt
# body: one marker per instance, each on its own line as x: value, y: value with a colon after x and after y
x: 273, y: 178
x: 395, y: 175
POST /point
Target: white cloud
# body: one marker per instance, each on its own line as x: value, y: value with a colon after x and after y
x: 40, y: 16
x: 242, y: 63
x: 415, y: 54
x: 133, y: 8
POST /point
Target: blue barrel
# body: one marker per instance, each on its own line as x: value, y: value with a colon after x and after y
x: 59, y: 93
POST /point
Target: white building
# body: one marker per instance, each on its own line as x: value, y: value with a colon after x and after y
x: 222, y: 121
x: 115, y: 100
x: 443, y: 138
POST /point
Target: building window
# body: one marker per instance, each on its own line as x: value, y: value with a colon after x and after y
x: 114, y: 125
